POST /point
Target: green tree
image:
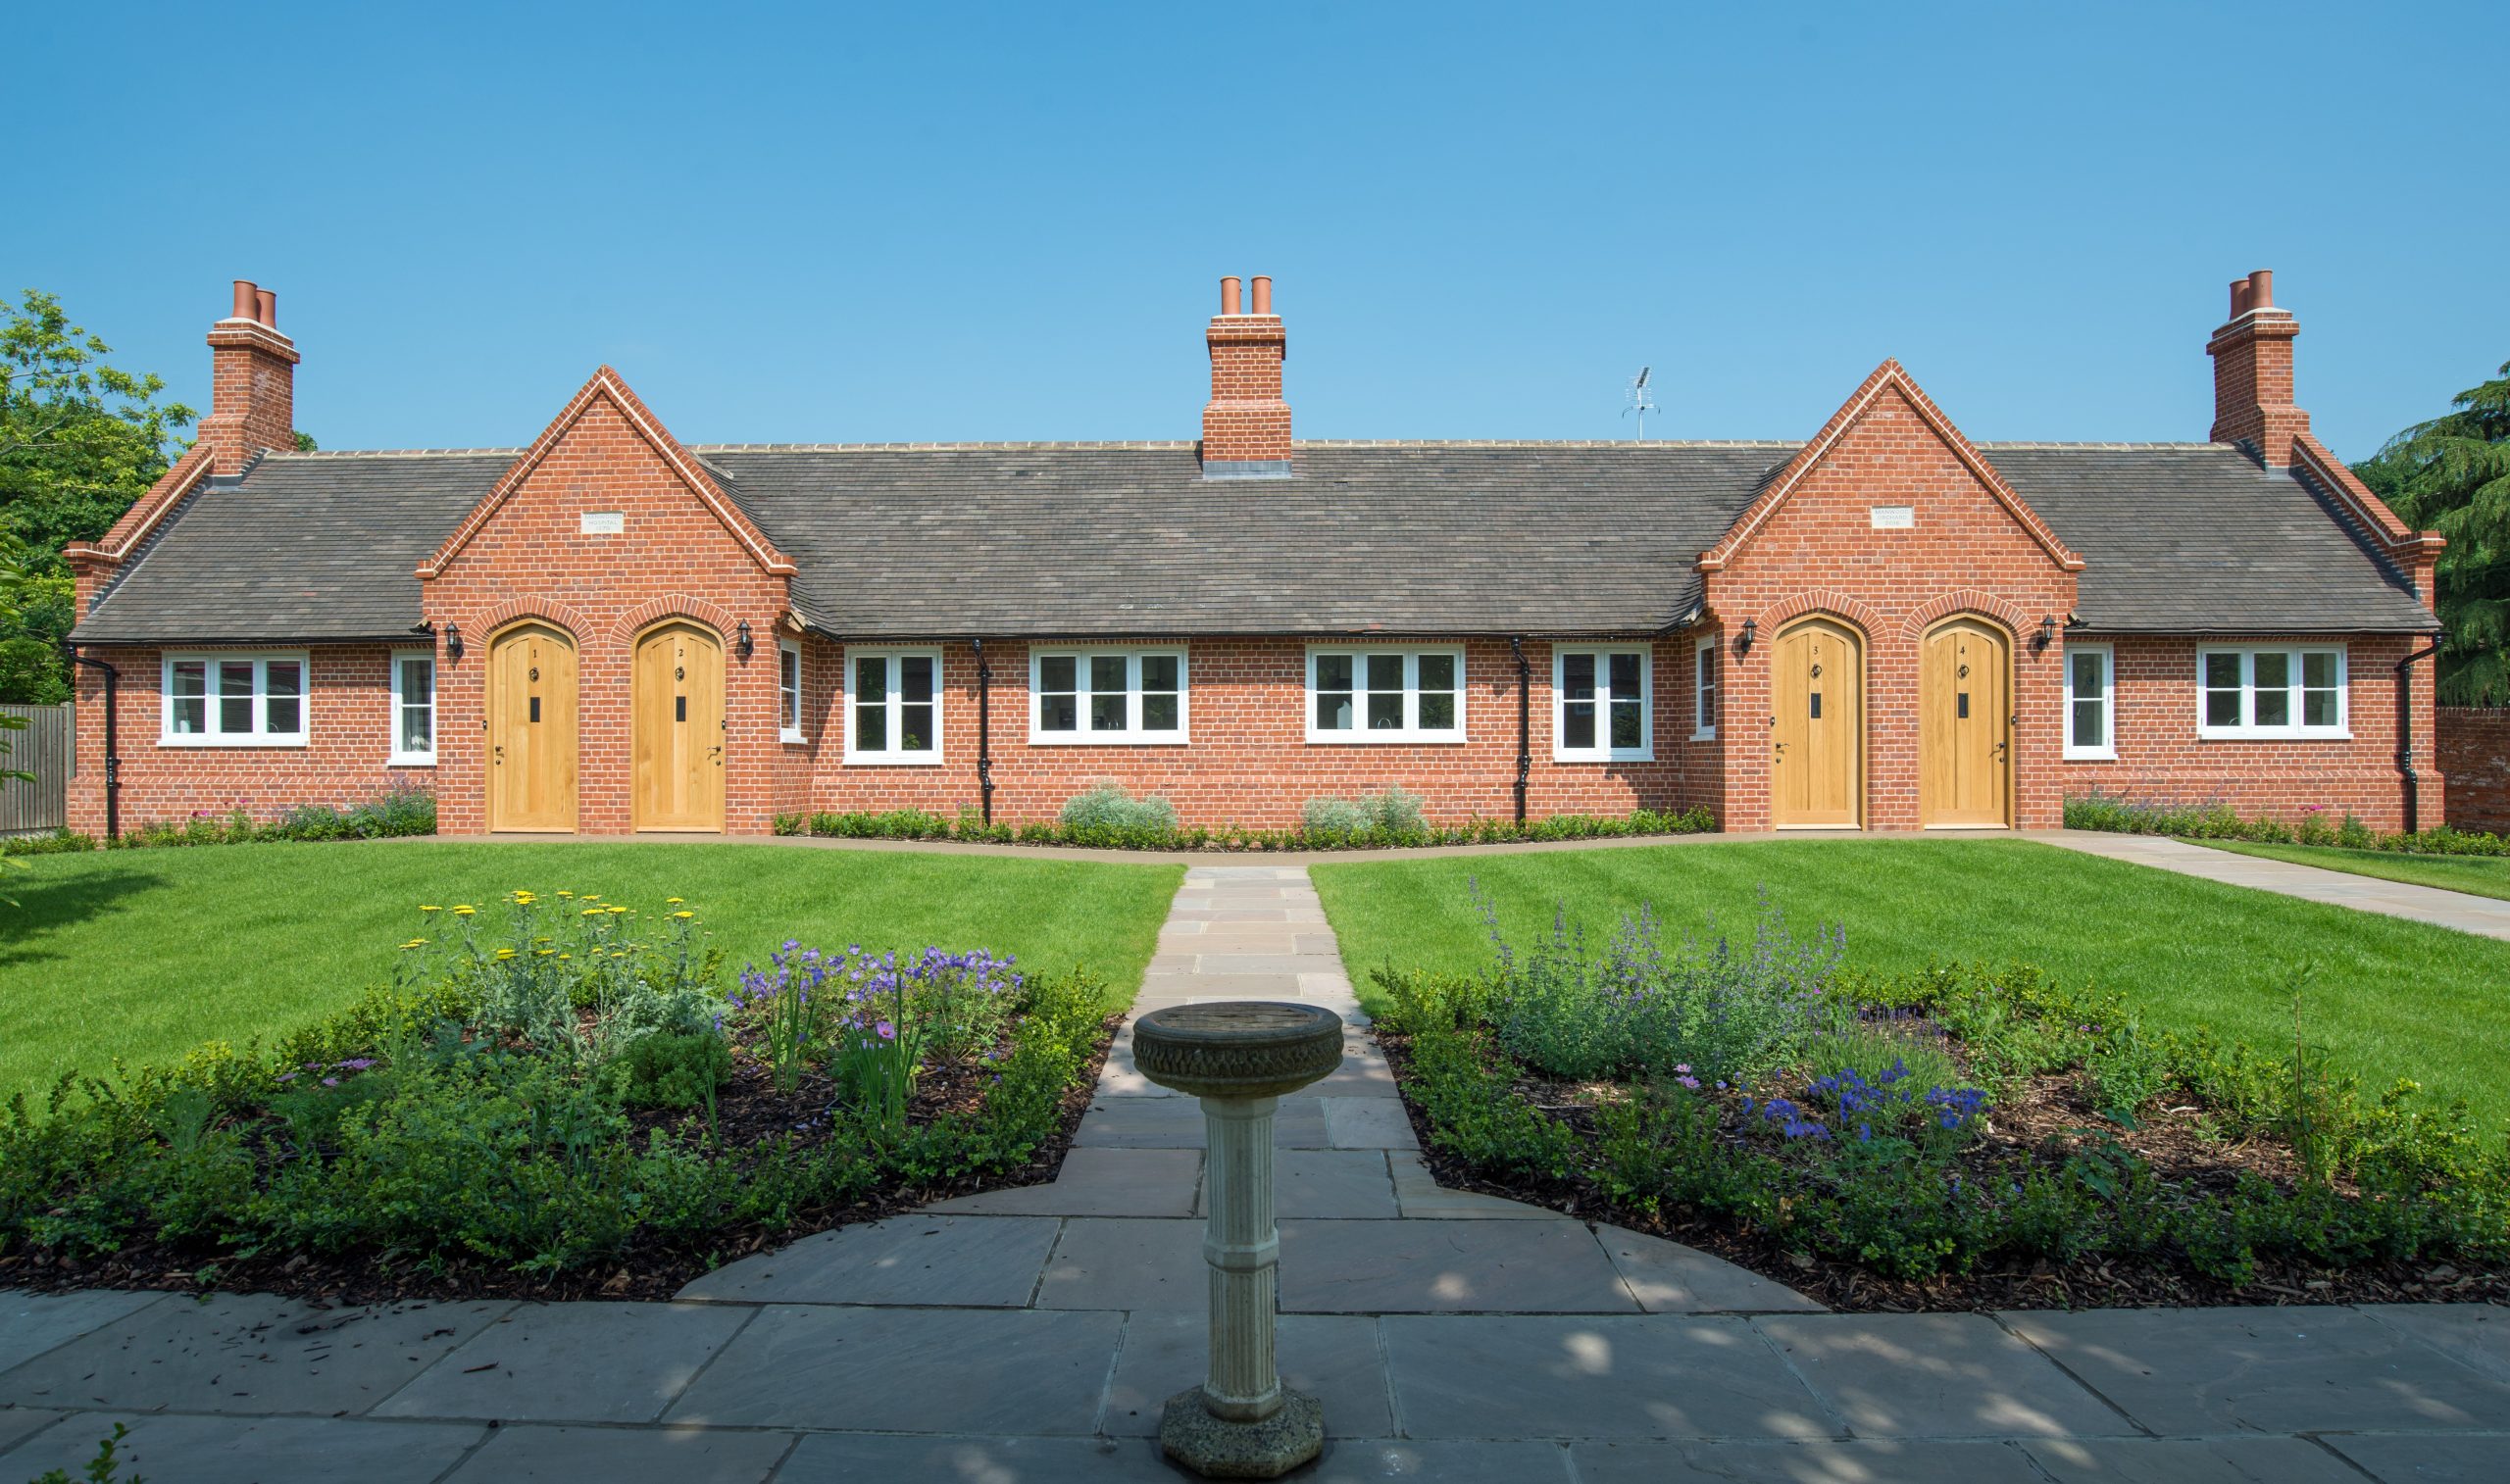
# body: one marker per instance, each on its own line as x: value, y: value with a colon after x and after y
x: 2452, y: 474
x: 79, y: 441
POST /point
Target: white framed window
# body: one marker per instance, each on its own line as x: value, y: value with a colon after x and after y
x: 1601, y: 708
x: 2091, y: 703
x: 893, y: 706
x: 1703, y: 690
x: 788, y: 691
x: 233, y: 700
x: 2271, y: 691
x: 1115, y: 696
x: 413, y: 708
x: 1378, y: 694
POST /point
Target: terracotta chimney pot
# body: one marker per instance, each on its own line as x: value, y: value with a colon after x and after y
x: 266, y: 307
x: 246, y: 300
x: 1229, y: 295
x: 1263, y: 286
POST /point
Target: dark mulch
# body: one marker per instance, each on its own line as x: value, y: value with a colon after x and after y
x: 2051, y: 1114
x: 749, y: 1111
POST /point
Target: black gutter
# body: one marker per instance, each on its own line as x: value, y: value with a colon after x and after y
x: 112, y: 747
x: 984, y: 728
x: 1524, y: 721
x: 2405, y: 737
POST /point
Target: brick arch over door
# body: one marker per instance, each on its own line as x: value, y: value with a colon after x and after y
x: 1825, y: 604
x: 1969, y: 600
x: 512, y: 610
x: 669, y: 606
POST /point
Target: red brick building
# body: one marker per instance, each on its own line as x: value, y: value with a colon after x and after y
x: 1886, y: 628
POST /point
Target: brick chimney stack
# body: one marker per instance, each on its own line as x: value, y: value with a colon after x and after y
x: 252, y: 398
x: 2253, y: 373
x: 1246, y: 426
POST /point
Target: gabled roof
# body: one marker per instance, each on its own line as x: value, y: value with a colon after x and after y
x: 1076, y: 540
x: 607, y: 386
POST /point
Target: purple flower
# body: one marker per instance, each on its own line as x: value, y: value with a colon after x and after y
x: 886, y: 1031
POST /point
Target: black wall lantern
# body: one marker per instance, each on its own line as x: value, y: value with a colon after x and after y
x: 744, y: 644
x: 1743, y: 645
x: 2047, y: 632
x: 453, y: 641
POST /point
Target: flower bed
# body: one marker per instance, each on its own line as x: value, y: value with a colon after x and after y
x: 399, y: 812
x: 1956, y: 1139
x: 1359, y: 834
x: 2122, y: 815
x: 558, y: 1097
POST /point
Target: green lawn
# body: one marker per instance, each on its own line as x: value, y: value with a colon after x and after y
x: 2390, y: 998
x: 2480, y: 875
x: 144, y: 954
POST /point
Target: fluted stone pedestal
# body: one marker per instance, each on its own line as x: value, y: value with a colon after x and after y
x: 1239, y: 1058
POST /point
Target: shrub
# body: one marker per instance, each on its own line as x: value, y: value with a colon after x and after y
x: 1107, y: 807
x: 922, y: 824
x: 398, y: 812
x: 2120, y: 813
x: 1333, y: 817
x: 677, y: 1069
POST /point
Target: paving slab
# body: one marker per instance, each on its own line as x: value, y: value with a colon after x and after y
x: 1120, y: 1077
x: 1177, y: 1123
x: 1667, y: 1277
x: 1602, y: 1376
x: 248, y: 1352
x: 626, y: 1455
x: 921, y: 1371
x: 1118, y: 1263
x: 2188, y: 1461
x: 2183, y: 1372
x: 31, y: 1323
x: 1368, y: 1123
x: 2465, y: 913
x: 963, y: 1261
x: 843, y: 1459
x: 1347, y: 1183
x: 1882, y: 1460
x: 1363, y: 1072
x: 1419, y: 1195
x: 1331, y: 1356
x: 573, y: 1362
x: 221, y: 1450
x: 1350, y: 1461
x: 1101, y: 1182
x: 2474, y: 1335
x: 2464, y: 1457
x: 1182, y: 984
x: 19, y: 1423
x: 1936, y: 1376
x: 1431, y: 1266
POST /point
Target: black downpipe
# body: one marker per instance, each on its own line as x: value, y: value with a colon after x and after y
x: 113, y: 740
x: 984, y: 729
x: 2405, y: 739
x: 1524, y: 722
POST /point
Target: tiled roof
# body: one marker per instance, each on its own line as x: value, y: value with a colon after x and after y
x: 1128, y: 539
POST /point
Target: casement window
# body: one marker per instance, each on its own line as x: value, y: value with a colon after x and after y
x: 2271, y: 691
x: 1703, y: 691
x: 2091, y: 703
x: 893, y: 706
x: 1599, y: 705
x: 788, y: 691
x: 1115, y: 696
x: 233, y: 701
x: 413, y: 708
x: 1384, y: 695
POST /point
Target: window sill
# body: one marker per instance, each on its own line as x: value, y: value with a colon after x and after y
x: 892, y: 759
x: 792, y: 739
x: 1710, y: 735
x: 1387, y: 739
x: 2105, y: 755
x: 1590, y: 757
x: 197, y: 740
x: 1106, y: 739
x: 2275, y: 734
x: 410, y: 759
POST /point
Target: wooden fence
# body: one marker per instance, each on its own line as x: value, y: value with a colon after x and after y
x: 44, y: 749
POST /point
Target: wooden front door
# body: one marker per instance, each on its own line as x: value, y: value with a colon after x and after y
x: 1965, y: 727
x: 680, y: 732
x: 1817, y: 727
x: 532, y: 730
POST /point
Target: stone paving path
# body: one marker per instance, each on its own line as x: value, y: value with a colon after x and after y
x: 2463, y: 911
x: 1030, y: 1335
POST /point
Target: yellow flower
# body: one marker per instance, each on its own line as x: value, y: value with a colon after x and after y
x: 431, y: 908
x: 504, y: 954
x: 592, y: 896
x: 682, y: 914
x: 616, y: 911
x: 562, y: 957
x: 542, y: 952
x: 565, y: 894
x: 465, y: 912
x: 543, y: 940
x: 591, y: 912
x: 413, y: 943
x: 673, y: 901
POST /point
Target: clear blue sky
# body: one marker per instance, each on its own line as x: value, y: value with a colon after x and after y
x: 955, y: 221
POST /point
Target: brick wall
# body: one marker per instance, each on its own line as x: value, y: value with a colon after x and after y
x: 1248, y: 761
x: 349, y: 730
x: 1965, y: 554
x: 2161, y: 757
x: 673, y: 559
x: 2474, y: 748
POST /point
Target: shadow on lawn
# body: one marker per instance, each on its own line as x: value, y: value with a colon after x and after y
x: 44, y: 906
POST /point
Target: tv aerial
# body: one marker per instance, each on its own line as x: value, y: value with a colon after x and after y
x: 1640, y: 400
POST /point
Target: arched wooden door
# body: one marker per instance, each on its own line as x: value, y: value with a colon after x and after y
x: 1817, y: 727
x: 1965, y: 727
x: 679, y: 733
x: 532, y: 730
